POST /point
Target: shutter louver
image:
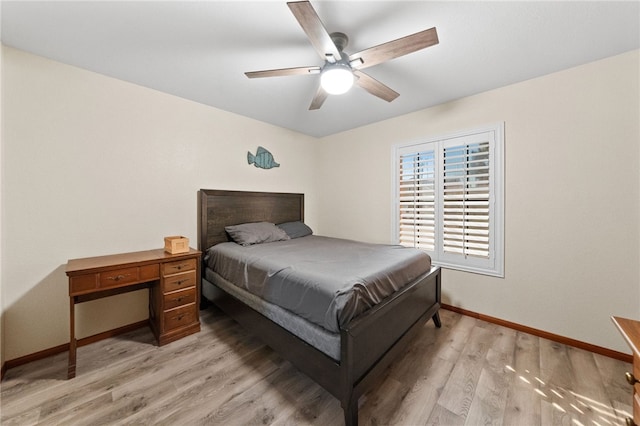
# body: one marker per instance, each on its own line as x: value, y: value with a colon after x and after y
x: 417, y: 200
x: 466, y: 200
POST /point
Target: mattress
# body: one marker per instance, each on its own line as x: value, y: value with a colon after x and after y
x: 321, y: 339
x: 326, y: 281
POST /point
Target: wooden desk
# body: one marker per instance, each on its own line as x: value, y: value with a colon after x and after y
x: 630, y: 330
x: 173, y: 282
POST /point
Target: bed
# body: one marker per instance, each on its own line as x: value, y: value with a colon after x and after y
x: 345, y: 358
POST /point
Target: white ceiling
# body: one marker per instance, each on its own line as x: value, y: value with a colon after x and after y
x: 200, y: 50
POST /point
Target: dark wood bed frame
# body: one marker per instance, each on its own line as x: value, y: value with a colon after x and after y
x: 370, y: 341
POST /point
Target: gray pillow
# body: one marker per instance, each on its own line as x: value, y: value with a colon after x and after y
x: 295, y: 229
x: 255, y: 233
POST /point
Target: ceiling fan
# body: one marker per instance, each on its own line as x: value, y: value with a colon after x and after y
x: 340, y: 70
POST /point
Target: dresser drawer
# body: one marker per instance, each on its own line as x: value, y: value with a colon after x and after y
x: 178, y: 317
x: 178, y: 266
x: 179, y: 298
x: 636, y: 390
x: 178, y: 281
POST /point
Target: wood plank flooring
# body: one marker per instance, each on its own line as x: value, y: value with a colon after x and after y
x: 469, y: 372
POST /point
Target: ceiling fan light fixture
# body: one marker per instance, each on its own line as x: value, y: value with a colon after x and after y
x: 337, y: 78
x: 340, y: 70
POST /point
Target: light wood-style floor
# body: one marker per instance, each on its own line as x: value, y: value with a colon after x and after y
x: 469, y: 372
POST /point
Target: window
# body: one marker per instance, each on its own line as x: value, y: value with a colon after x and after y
x: 448, y: 199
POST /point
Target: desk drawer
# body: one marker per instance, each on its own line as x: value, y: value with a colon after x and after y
x: 178, y: 266
x: 178, y: 281
x: 178, y: 317
x: 83, y: 284
x: 118, y: 277
x: 179, y: 298
x: 88, y: 283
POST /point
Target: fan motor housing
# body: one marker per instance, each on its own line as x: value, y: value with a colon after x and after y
x: 340, y: 40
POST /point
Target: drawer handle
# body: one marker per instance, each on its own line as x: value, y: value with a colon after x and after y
x: 179, y: 317
x: 179, y: 299
x: 118, y: 277
x: 179, y: 282
x: 630, y: 379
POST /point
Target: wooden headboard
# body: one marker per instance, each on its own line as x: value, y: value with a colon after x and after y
x: 219, y: 208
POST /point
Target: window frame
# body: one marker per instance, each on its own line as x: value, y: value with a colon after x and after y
x: 494, y: 264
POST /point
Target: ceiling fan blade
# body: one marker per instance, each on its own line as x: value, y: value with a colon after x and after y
x: 312, y: 25
x: 393, y: 49
x: 318, y: 99
x: 374, y: 87
x: 283, y: 72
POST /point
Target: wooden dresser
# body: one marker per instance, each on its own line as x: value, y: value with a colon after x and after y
x: 173, y: 281
x: 630, y: 330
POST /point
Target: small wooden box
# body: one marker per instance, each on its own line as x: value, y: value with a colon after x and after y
x: 176, y: 244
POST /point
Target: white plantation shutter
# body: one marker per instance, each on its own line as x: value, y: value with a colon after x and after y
x: 448, y: 199
x: 417, y: 200
x: 465, y: 199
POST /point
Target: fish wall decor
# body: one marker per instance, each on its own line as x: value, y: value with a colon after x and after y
x: 263, y: 159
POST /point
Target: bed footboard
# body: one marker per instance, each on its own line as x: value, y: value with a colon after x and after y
x: 368, y: 345
x: 370, y: 335
x: 373, y: 340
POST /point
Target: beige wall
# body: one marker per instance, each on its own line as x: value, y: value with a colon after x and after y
x: 572, y: 196
x: 2, y: 346
x: 93, y: 165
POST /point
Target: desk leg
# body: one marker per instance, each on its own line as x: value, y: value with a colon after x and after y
x: 71, y: 371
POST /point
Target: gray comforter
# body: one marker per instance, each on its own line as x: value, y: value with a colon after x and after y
x: 327, y: 281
